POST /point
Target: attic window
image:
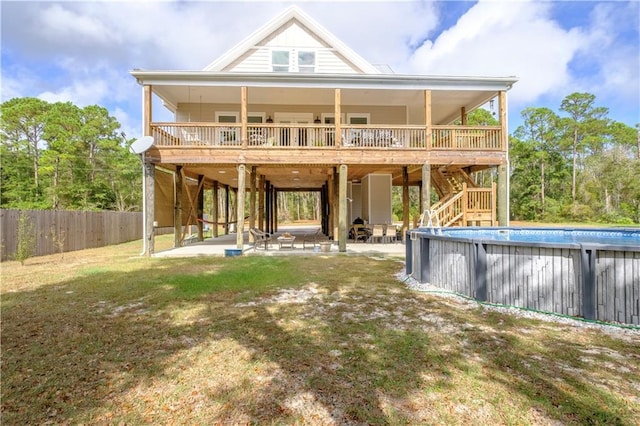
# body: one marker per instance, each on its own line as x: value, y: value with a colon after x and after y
x: 306, y: 61
x: 293, y: 61
x: 280, y: 60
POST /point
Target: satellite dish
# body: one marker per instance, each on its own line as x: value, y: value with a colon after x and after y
x: 141, y: 145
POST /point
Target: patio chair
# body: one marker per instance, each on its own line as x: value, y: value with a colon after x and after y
x: 260, y: 238
x: 377, y: 234
x: 313, y: 239
x: 390, y: 234
x: 359, y: 232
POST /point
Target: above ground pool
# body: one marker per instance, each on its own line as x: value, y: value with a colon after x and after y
x: 618, y: 237
x: 582, y: 272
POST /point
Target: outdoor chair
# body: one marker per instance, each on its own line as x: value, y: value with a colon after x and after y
x: 260, y: 238
x: 377, y: 234
x: 390, y: 234
x: 359, y: 233
x: 313, y: 239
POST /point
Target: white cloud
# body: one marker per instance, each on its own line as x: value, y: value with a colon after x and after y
x: 504, y: 39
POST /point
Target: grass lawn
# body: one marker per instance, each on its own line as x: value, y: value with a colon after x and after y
x: 105, y: 337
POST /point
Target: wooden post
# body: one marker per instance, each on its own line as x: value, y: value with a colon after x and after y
x: 342, y: 202
x: 240, y: 206
x: 503, y: 169
x: 337, y: 119
x: 243, y: 116
x: 493, y: 203
x: 267, y: 206
x: 463, y: 116
x: 426, y: 188
x: 261, y: 202
x: 330, y: 190
x: 149, y: 188
x: 226, y: 210
x: 275, y: 210
x: 147, y: 110
x: 177, y: 208
x: 405, y: 200
x: 427, y: 119
x: 252, y: 201
x: 216, y: 213
x: 200, y: 208
x: 503, y: 196
x: 465, y: 204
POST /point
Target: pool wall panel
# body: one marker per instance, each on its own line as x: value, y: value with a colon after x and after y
x: 571, y: 280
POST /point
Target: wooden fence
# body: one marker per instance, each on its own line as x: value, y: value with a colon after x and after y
x: 69, y: 230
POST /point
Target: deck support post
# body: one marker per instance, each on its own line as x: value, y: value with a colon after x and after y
x: 503, y: 195
x: 330, y: 189
x: 226, y: 209
x: 267, y: 207
x: 342, y: 203
x: 261, y: 202
x: 240, y: 206
x: 426, y: 188
x: 215, y: 205
x: 274, y: 215
x: 335, y: 203
x: 405, y: 200
x: 177, y: 208
x: 252, y: 201
x: 200, y: 208
x: 149, y: 188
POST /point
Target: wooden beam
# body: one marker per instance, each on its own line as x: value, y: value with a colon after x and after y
x: 177, y: 208
x: 243, y: 116
x: 426, y: 188
x: 252, y: 201
x: 240, y: 206
x: 149, y: 191
x: 405, y: 201
x: 226, y: 209
x: 147, y: 110
x: 503, y: 195
x: 427, y: 118
x: 337, y: 117
x: 342, y: 215
x: 200, y: 208
x: 216, y: 213
x: 463, y: 116
x: 261, y: 202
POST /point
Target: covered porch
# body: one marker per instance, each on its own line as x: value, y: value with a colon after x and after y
x: 267, y: 134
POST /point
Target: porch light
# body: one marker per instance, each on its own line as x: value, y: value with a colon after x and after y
x: 222, y: 172
x: 317, y: 120
x: 269, y: 119
x: 295, y: 172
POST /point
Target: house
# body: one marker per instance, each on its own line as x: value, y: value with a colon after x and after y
x: 292, y: 108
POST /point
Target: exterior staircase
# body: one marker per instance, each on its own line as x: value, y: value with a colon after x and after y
x: 462, y: 202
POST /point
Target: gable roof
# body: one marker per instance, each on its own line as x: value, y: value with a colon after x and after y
x: 292, y: 13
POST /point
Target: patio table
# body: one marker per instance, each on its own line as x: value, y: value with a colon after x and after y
x: 286, y: 242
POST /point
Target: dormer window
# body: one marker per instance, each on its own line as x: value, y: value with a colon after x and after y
x: 293, y: 60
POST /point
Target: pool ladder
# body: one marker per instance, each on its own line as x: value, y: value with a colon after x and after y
x: 433, y: 221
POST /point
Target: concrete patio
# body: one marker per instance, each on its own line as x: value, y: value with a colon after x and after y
x: 217, y: 246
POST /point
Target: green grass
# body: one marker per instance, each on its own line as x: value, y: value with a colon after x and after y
x: 106, y: 337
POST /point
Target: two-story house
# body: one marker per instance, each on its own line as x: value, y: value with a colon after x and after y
x: 292, y: 108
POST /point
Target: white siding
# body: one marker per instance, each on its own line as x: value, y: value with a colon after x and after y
x: 292, y: 37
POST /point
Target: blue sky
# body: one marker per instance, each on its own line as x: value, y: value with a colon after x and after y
x: 83, y: 51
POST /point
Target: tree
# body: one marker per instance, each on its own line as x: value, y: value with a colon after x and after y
x: 585, y: 126
x: 22, y: 131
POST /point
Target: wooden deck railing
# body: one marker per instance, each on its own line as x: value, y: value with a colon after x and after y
x: 228, y: 135
x: 468, y: 205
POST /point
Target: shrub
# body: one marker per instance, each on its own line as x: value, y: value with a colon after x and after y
x: 26, y: 239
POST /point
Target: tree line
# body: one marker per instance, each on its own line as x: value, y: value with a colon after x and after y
x: 575, y: 164
x: 61, y: 156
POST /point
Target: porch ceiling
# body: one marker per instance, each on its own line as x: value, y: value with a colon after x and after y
x: 298, y: 177
x: 449, y: 94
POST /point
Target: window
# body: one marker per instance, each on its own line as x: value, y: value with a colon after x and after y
x: 227, y: 135
x: 293, y: 61
x: 357, y: 119
x: 280, y: 60
x: 306, y: 61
